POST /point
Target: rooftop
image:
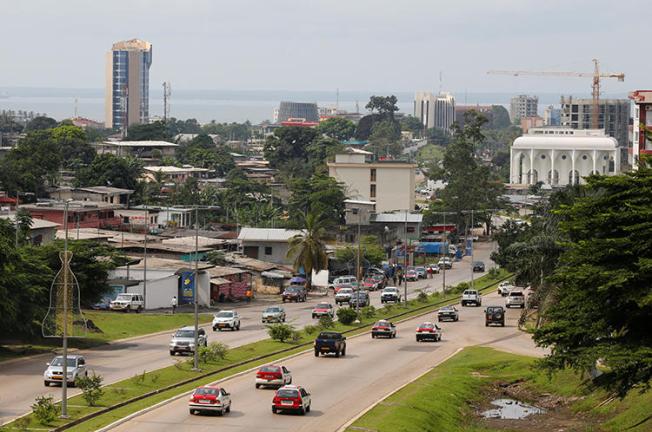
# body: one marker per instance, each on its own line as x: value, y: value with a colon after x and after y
x: 36, y: 223
x: 105, y: 190
x: 140, y: 144
x: 164, y: 263
x: 267, y: 234
x: 73, y: 207
x: 396, y: 217
x: 190, y: 241
x: 174, y: 169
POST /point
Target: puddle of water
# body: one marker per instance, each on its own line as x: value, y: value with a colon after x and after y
x: 511, y: 409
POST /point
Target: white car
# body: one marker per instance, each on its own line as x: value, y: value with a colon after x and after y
x: 273, y: 314
x: 515, y: 298
x: 210, y: 398
x: 226, y: 319
x: 471, y: 297
x: 127, y: 302
x: 343, y: 295
x: 54, y: 373
x: 273, y: 375
x: 504, y: 288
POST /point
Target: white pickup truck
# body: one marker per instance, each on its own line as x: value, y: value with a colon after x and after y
x: 471, y: 297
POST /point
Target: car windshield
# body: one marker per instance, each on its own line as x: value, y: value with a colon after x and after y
x: 332, y: 336
x: 420, y: 269
x: 345, y: 291
x: 288, y: 393
x: 427, y: 326
x: 273, y: 310
x: 123, y: 297
x: 446, y: 308
x: 494, y: 309
x: 207, y: 391
x: 270, y: 369
x: 58, y: 361
x: 390, y: 290
x: 292, y: 289
x: 469, y: 292
x: 323, y: 306
x: 184, y: 333
x: 224, y: 315
x: 382, y: 324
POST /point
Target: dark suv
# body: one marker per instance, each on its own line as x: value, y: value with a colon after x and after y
x: 494, y: 315
x: 478, y: 266
x: 330, y: 342
x: 294, y: 293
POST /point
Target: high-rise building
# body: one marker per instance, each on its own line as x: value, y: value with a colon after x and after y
x: 127, y: 83
x: 307, y: 112
x: 523, y: 106
x: 613, y: 117
x: 435, y: 111
x: 551, y: 116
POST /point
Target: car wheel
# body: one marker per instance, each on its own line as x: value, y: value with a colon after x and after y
x: 47, y: 383
x: 283, y: 300
x: 238, y: 326
x: 290, y: 382
x: 522, y: 306
x: 316, y: 353
x: 502, y: 324
x: 171, y: 353
x: 337, y: 353
x: 302, y: 411
x: 486, y: 324
x: 373, y: 336
x: 257, y: 385
x: 192, y: 412
x: 344, y: 352
x: 220, y: 413
x: 139, y: 309
x: 283, y: 319
x: 273, y: 410
x: 308, y: 408
x: 456, y: 319
x: 127, y: 310
x: 313, y: 316
x: 228, y: 409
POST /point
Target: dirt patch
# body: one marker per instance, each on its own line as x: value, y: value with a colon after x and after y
x: 558, y: 416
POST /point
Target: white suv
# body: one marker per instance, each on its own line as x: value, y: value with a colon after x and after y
x: 54, y: 373
x: 226, y: 319
x: 128, y: 302
x: 515, y: 298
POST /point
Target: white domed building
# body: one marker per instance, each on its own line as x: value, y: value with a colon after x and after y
x: 562, y: 156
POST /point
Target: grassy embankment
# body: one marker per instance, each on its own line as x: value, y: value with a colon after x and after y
x: 113, y: 326
x: 149, y: 381
x: 447, y: 398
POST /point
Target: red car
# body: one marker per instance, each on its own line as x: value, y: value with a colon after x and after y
x: 291, y: 398
x: 428, y: 331
x: 210, y: 398
x: 273, y: 375
x: 323, y: 309
x: 412, y: 275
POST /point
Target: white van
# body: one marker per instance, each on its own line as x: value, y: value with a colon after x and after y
x: 128, y: 302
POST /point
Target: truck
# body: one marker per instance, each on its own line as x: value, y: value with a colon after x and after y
x: 330, y: 342
x: 471, y: 297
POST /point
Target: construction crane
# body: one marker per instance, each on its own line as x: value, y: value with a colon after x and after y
x: 596, y: 75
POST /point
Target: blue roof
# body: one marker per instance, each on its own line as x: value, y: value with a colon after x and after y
x: 354, y: 142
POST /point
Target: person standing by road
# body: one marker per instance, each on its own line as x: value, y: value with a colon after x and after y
x: 174, y: 304
x: 248, y: 294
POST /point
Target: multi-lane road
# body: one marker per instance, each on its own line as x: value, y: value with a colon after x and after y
x: 342, y: 387
x: 22, y: 381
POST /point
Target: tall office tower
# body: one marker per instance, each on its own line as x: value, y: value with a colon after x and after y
x: 297, y: 111
x: 613, y: 117
x: 523, y: 106
x: 127, y: 84
x: 435, y: 111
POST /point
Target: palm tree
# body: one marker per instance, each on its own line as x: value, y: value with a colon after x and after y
x: 308, y: 248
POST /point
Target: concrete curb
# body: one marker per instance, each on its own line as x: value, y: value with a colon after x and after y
x: 372, y: 406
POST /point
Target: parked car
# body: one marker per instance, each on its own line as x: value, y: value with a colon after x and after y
x: 504, y: 288
x: 323, y: 309
x: 478, y: 266
x: 226, y: 319
x: 294, y: 293
x: 210, y: 398
x: 183, y: 341
x: 359, y: 299
x: 448, y: 313
x: 445, y: 263
x: 380, y: 278
x: 434, y: 268
x: 422, y: 273
x: 494, y: 315
x: 428, y: 331
x: 412, y: 275
x: 273, y: 375
x: 370, y: 284
x: 128, y: 302
x: 471, y: 297
x: 341, y: 282
x: 76, y: 367
x: 330, y: 342
x: 383, y: 328
x: 390, y: 294
x: 273, y: 314
x: 515, y: 299
x: 291, y: 398
x: 343, y: 295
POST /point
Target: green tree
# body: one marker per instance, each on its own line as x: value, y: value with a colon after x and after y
x: 499, y: 118
x: 74, y: 146
x: 337, y: 128
x: 320, y: 150
x: 308, y: 248
x: 383, y: 104
x: 371, y: 252
x: 604, y: 301
x: 385, y: 139
x: 109, y: 170
x: 438, y: 136
x: 288, y: 143
x: 320, y: 193
x: 24, y: 225
x: 411, y: 124
x: 156, y: 131
x: 40, y: 123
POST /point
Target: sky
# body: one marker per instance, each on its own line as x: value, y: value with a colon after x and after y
x: 366, y: 45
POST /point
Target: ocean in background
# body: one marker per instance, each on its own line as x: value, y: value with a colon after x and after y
x: 223, y: 105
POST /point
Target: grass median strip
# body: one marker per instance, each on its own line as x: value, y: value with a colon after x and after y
x: 237, y: 359
x: 450, y: 397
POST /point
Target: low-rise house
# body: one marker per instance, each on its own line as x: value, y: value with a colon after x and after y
x: 269, y: 244
x: 144, y: 150
x: 229, y: 283
x: 104, y: 194
x: 401, y: 225
x: 173, y: 174
x: 82, y: 214
x: 40, y: 231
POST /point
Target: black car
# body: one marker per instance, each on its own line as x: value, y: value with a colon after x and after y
x: 294, y: 293
x: 359, y: 299
x: 494, y: 315
x: 330, y: 342
x: 478, y: 266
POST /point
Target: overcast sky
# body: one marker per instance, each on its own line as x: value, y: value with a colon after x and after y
x: 377, y: 45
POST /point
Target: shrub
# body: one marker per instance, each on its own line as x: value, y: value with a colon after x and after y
x: 422, y: 297
x: 494, y: 273
x: 310, y: 329
x: 213, y: 352
x: 368, y: 311
x: 326, y: 322
x: 282, y: 332
x: 460, y: 287
x: 91, y: 387
x: 346, y: 315
x: 138, y: 379
x: 45, y: 410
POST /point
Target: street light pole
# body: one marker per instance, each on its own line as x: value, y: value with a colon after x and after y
x: 145, y: 258
x: 64, y: 381
x: 357, y: 303
x: 405, y: 291
x: 446, y: 252
x: 472, y: 281
x: 196, y: 351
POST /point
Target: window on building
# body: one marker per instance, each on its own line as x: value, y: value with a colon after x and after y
x: 268, y: 250
x: 410, y: 229
x: 373, y: 174
x: 372, y: 191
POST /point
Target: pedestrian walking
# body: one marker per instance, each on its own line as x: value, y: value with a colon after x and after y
x: 174, y: 304
x: 248, y: 294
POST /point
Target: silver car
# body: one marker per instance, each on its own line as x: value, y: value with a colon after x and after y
x: 343, y: 295
x: 274, y: 314
x: 76, y: 367
x: 183, y: 341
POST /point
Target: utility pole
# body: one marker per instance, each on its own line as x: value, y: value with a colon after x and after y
x: 194, y: 294
x: 356, y: 211
x: 472, y: 285
x: 64, y: 381
x: 406, y: 259
x: 145, y: 258
x: 446, y: 252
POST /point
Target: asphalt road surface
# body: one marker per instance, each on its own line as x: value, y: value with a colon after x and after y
x: 22, y: 381
x: 342, y: 387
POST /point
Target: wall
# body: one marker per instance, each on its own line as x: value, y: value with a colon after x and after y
x: 279, y: 251
x: 159, y: 291
x: 394, y: 189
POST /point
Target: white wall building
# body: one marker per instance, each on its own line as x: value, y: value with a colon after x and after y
x: 388, y: 183
x: 562, y: 156
x: 435, y: 111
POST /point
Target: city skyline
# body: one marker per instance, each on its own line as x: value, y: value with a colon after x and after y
x: 202, y: 45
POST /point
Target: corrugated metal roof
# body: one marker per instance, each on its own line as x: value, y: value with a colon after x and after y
x: 267, y: 234
x: 397, y: 217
